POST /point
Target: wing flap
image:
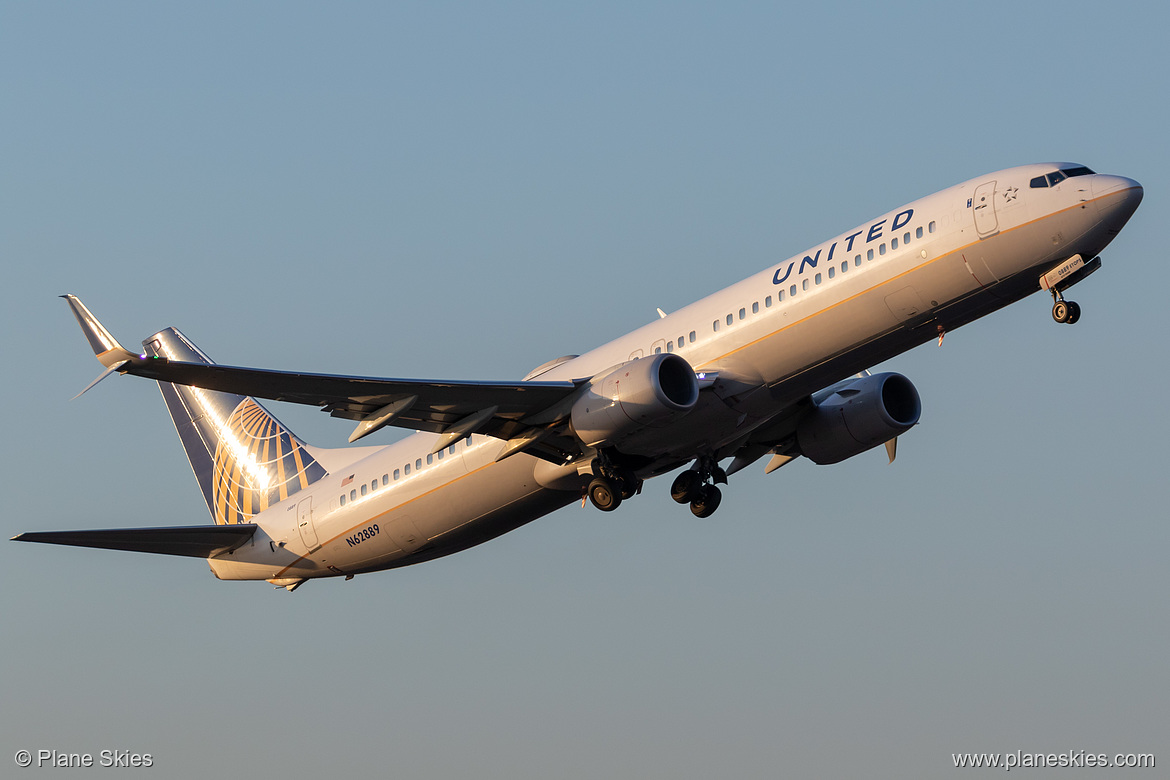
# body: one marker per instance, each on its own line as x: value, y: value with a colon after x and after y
x: 195, y: 541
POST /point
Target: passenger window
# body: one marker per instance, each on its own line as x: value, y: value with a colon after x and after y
x: 658, y: 350
x: 363, y: 488
x: 832, y: 271
x: 451, y: 449
x: 385, y: 479
x: 373, y: 484
x: 742, y: 313
x: 715, y: 326
x: 669, y: 346
x: 894, y: 243
x: 906, y: 239
x: 343, y: 499
x: 440, y: 454
x: 857, y: 260
x: 353, y: 495
x: 792, y: 291
x: 869, y: 255
x: 930, y: 227
x: 817, y: 279
x: 804, y: 284
x: 918, y: 233
x: 881, y: 249
x: 692, y: 337
x: 844, y: 266
x: 397, y: 474
x: 730, y: 318
x: 430, y: 458
x: 768, y: 302
x: 406, y: 469
x: 418, y: 464
x: 681, y: 342
x: 755, y: 307
x: 779, y: 296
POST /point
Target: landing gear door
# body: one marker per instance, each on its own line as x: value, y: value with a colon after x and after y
x: 305, y: 524
x: 983, y: 204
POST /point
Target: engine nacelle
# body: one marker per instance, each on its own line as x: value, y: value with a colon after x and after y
x: 857, y: 416
x: 640, y: 394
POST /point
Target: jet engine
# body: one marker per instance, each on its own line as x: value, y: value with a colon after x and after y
x: 643, y: 393
x: 857, y: 415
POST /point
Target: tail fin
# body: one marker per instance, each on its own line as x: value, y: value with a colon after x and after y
x: 244, y: 459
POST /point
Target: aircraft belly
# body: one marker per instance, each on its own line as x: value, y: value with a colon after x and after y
x: 499, y: 520
x: 486, y: 501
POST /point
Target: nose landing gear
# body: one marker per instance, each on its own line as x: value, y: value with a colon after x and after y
x: 1062, y: 277
x: 1067, y: 312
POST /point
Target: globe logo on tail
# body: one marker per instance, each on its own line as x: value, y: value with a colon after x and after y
x: 257, y: 464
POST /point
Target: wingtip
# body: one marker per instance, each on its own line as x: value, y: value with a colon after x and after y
x: 104, y: 345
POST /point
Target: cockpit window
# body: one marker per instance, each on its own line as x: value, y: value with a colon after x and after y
x: 1056, y: 177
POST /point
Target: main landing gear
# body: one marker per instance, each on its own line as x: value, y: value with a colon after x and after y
x: 612, y: 484
x: 692, y: 487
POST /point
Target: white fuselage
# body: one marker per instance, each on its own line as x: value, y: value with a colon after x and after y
x: 768, y: 341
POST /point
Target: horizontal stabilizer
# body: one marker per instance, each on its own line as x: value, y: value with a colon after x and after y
x: 195, y: 541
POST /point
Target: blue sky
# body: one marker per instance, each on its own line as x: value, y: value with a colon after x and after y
x: 448, y: 190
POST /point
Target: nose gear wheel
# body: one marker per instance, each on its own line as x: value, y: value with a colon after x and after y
x: 1066, y: 312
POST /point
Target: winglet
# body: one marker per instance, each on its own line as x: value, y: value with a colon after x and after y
x: 109, y: 352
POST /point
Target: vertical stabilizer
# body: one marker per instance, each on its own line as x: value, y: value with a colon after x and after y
x: 244, y: 459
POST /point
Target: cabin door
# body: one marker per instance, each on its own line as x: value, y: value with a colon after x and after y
x: 305, y: 523
x: 986, y: 223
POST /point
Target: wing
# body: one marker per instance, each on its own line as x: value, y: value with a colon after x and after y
x: 531, y: 416
x: 506, y: 410
x: 196, y: 541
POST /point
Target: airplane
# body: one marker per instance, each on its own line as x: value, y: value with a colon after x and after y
x: 775, y: 365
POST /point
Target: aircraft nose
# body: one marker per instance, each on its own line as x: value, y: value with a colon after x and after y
x: 1117, y: 197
